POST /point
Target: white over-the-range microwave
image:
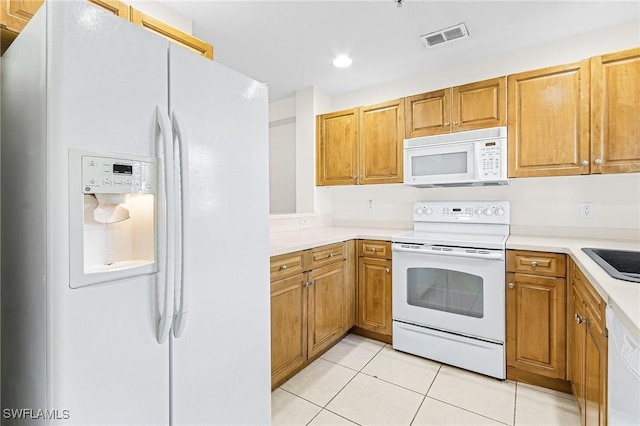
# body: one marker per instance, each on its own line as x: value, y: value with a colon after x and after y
x: 472, y: 158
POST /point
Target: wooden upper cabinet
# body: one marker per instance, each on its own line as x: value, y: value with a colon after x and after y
x: 361, y: 145
x: 428, y: 113
x: 615, y: 112
x: 172, y: 33
x: 549, y: 121
x: 14, y: 14
x: 471, y: 106
x: 114, y: 6
x: 337, y: 152
x: 380, y: 143
x: 479, y: 105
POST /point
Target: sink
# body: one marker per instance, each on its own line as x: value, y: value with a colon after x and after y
x: 620, y: 264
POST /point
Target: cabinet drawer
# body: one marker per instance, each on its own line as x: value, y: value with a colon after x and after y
x: 327, y: 254
x: 537, y: 263
x: 287, y: 265
x: 373, y: 248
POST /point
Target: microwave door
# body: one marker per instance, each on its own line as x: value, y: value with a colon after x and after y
x: 442, y: 164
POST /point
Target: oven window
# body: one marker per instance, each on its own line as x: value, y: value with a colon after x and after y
x: 439, y: 164
x: 445, y: 290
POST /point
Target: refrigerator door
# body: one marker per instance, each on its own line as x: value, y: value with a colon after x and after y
x: 221, y: 362
x: 105, y: 78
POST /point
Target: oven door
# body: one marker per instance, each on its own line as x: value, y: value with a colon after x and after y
x: 456, y: 290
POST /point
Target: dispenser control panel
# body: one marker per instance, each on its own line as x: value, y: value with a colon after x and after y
x: 105, y: 175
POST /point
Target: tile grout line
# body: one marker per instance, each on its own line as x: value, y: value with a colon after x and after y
x: 345, y: 385
x: 468, y: 411
x: 302, y: 398
x: 425, y: 395
x: 515, y: 404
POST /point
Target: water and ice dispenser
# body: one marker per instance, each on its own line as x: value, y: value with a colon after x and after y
x: 112, y: 217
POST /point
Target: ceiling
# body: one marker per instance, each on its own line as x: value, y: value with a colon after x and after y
x: 291, y: 44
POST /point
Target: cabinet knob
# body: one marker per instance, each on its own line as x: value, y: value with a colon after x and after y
x: 354, y: 177
x: 386, y: 269
x: 309, y: 283
x: 578, y: 319
x: 455, y: 123
x: 283, y: 267
x: 584, y: 163
x: 360, y: 177
x: 446, y: 124
x: 598, y: 161
x: 373, y: 249
x: 330, y: 255
x: 534, y: 264
x: 511, y: 285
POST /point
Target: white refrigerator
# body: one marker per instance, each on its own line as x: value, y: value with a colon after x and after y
x: 185, y: 338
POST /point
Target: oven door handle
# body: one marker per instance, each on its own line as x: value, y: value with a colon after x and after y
x: 488, y: 256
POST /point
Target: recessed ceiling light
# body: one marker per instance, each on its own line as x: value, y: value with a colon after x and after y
x: 342, y: 61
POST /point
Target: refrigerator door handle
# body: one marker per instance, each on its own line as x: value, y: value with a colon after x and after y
x: 164, y: 223
x: 181, y: 167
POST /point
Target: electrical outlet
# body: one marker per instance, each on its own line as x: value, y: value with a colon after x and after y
x: 370, y: 204
x: 304, y: 224
x: 586, y: 210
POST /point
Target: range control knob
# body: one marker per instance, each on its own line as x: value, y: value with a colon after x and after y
x: 428, y: 211
x: 479, y: 211
x: 488, y: 211
x: 499, y: 211
x: 419, y: 211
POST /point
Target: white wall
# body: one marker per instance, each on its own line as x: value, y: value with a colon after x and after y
x: 282, y: 156
x: 535, y: 202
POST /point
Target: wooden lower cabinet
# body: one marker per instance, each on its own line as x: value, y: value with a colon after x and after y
x: 536, y: 324
x: 536, y: 318
x: 288, y: 325
x: 588, y: 350
x: 326, y: 307
x: 312, y: 307
x: 374, y: 289
x: 374, y: 295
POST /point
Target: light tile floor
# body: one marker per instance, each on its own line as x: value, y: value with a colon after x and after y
x: 364, y: 382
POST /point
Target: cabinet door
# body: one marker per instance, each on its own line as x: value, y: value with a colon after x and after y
x: 374, y: 295
x: 615, y: 112
x: 350, y: 285
x: 326, y: 306
x: 480, y: 105
x: 536, y: 327
x: 549, y: 121
x: 14, y: 14
x: 173, y: 34
x: 577, y: 348
x: 337, y: 155
x: 595, y: 374
x: 288, y: 326
x: 428, y: 114
x: 381, y: 138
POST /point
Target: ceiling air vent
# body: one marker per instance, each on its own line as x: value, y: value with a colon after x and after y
x: 442, y: 36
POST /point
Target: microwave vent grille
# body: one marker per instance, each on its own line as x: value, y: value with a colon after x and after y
x: 445, y: 35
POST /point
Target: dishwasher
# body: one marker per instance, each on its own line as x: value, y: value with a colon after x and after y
x: 623, y: 374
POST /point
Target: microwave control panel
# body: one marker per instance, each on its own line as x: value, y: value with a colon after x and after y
x: 117, y: 175
x: 490, y: 160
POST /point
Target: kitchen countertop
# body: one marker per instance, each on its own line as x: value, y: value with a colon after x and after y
x: 622, y: 296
